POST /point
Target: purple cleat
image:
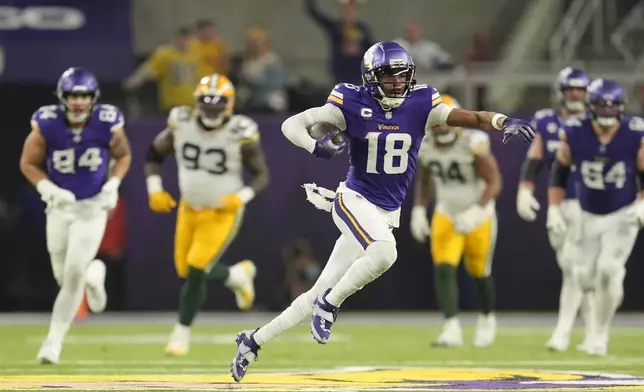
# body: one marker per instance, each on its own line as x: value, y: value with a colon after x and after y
x: 324, y: 315
x: 247, y: 351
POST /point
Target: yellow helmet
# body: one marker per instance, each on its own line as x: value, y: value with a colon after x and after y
x: 215, y: 96
x: 450, y: 101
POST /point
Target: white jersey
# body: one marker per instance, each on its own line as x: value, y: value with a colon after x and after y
x: 458, y: 185
x: 210, y: 163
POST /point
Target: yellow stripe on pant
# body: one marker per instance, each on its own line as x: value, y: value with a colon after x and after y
x: 477, y: 247
x: 202, y: 237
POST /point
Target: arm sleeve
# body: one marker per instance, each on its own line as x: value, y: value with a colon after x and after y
x: 438, y: 115
x: 295, y: 128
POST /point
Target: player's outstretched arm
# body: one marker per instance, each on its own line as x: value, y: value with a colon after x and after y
x: 559, y: 175
x: 488, y: 121
x: 33, y: 155
x: 295, y: 128
x: 255, y: 164
x: 162, y: 146
x: 487, y: 168
x: 121, y: 152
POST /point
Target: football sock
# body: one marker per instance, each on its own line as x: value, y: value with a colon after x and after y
x: 608, y: 298
x: 379, y: 258
x: 67, y: 302
x: 587, y: 310
x: 486, y: 294
x: 569, y: 303
x: 219, y: 272
x: 193, y: 294
x: 445, y: 276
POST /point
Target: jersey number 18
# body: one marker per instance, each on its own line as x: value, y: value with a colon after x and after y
x: 396, y: 146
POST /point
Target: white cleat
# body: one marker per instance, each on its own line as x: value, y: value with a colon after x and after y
x: 49, y: 353
x: 452, y: 335
x: 241, y: 282
x: 598, y: 345
x: 485, y: 331
x: 558, y: 342
x: 179, y: 343
x: 95, y: 288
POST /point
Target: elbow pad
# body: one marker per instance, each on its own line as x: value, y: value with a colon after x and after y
x: 559, y: 175
x: 530, y: 169
x: 153, y: 156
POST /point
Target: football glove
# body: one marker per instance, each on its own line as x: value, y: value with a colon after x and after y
x: 326, y: 148
x: 231, y: 202
x: 527, y: 205
x: 110, y: 193
x: 161, y: 202
x: 53, y: 195
x: 556, y: 223
x: 419, y: 223
x: 515, y: 126
x: 470, y: 219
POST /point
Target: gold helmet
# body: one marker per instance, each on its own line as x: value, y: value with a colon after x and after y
x: 445, y: 134
x: 215, y: 96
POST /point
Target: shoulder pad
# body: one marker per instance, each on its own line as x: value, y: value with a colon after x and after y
x: 543, y: 113
x: 636, y: 124
x: 342, y: 91
x: 111, y: 116
x: 245, y: 129
x: 479, y: 141
x: 45, y: 115
x: 178, y: 115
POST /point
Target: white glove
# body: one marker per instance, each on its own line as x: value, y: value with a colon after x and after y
x: 636, y: 213
x: 527, y: 205
x: 556, y: 222
x: 53, y: 195
x: 110, y: 193
x: 470, y: 219
x: 419, y: 224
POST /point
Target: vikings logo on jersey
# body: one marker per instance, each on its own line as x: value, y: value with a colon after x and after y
x: 78, y: 160
x: 607, y: 172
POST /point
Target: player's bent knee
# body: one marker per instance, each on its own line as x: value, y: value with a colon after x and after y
x: 383, y: 254
x: 74, y: 275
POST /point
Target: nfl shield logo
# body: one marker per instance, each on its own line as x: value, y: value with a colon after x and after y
x: 388, y: 115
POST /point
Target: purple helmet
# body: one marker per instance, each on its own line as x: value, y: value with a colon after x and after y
x: 606, y: 101
x: 76, y: 80
x: 571, y: 78
x: 381, y: 65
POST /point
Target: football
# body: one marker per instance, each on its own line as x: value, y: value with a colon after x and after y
x: 319, y: 130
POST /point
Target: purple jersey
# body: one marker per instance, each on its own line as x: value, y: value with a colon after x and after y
x: 383, y: 145
x: 547, y: 122
x: 607, y: 172
x: 78, y: 161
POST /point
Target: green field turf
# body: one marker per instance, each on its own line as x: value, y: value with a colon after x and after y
x: 130, y: 356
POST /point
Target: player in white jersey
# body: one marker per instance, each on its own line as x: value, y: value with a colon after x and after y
x: 467, y: 181
x: 213, y: 148
x: 75, y: 141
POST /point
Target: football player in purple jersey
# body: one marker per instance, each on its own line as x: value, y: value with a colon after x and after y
x: 383, y: 122
x: 607, y: 149
x: 66, y: 156
x: 571, y: 88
